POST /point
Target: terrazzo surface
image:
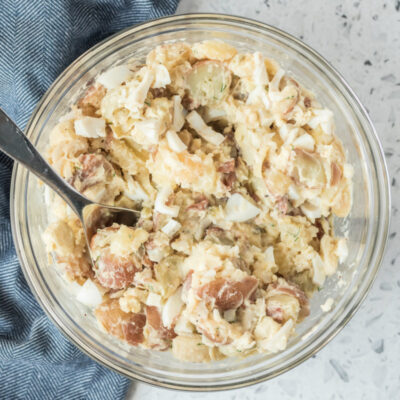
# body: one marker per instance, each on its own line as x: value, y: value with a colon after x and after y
x: 361, y: 39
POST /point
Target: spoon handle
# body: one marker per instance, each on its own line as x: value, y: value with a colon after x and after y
x: 16, y: 145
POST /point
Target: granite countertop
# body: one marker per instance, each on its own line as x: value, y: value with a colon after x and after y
x: 361, y: 38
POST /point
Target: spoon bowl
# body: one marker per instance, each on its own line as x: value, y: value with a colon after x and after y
x: 93, y: 215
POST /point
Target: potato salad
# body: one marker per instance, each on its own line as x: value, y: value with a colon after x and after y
x: 238, y: 176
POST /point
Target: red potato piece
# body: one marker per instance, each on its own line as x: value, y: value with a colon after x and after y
x: 115, y: 272
x: 77, y: 269
x: 226, y: 167
x: 93, y: 169
x: 154, y: 320
x: 199, y: 205
x: 228, y: 170
x: 93, y: 96
x: 229, y: 179
x: 125, y: 326
x: 292, y: 290
x: 275, y: 312
x: 247, y: 286
x: 91, y: 163
x: 91, y: 101
x: 222, y: 294
x: 283, y: 205
x: 227, y: 295
x: 214, y: 334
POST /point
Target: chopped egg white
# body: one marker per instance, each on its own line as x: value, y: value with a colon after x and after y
x: 171, y: 228
x: 293, y: 193
x: 274, y: 84
x: 89, y: 294
x: 238, y: 209
x: 138, y: 96
x: 160, y: 206
x: 311, y: 211
x: 305, y: 142
x: 183, y: 325
x: 174, y: 142
x: 206, y: 132
x: 90, y: 127
x: 134, y: 190
x: 213, y: 114
x: 162, y: 77
x: 259, y: 95
x: 260, y: 76
x: 113, y: 77
x: 178, y: 119
x: 324, y: 118
x: 147, y: 132
x: 172, y: 308
x: 153, y: 299
x: 156, y: 255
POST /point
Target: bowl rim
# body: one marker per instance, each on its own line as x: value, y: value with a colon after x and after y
x: 383, y: 237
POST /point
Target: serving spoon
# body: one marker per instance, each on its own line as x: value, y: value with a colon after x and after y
x: 93, y: 215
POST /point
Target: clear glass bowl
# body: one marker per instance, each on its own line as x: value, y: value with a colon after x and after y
x: 367, y: 225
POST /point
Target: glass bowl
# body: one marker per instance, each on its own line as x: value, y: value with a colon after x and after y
x: 367, y: 226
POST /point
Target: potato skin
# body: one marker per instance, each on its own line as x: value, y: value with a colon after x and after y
x: 125, y: 326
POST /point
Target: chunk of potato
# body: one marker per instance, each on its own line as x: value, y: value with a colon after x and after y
x: 213, y: 50
x: 191, y: 349
x: 125, y: 326
x: 170, y: 55
x: 208, y: 83
x: 308, y: 169
x: 281, y: 307
x: 167, y: 274
x: 228, y: 295
x: 277, y: 182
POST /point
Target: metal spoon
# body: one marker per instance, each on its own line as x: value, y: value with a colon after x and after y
x: 93, y: 216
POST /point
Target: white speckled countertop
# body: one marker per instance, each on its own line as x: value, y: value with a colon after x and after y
x: 361, y: 38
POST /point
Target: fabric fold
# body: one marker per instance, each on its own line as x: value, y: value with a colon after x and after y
x: 38, y: 40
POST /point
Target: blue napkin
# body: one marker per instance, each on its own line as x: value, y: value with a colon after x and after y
x: 38, y: 39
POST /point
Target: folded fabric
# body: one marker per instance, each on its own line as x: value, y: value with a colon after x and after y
x: 38, y: 39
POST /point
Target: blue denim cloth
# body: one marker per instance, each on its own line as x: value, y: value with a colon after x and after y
x: 38, y: 39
